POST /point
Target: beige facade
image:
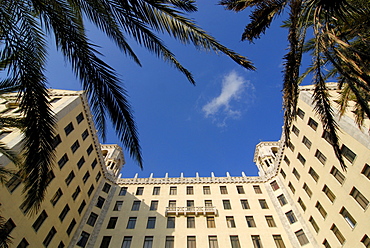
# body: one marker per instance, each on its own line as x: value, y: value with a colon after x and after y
x: 301, y: 198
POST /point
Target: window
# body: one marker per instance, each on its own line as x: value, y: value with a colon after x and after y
x: 337, y: 175
x: 153, y: 205
x: 190, y: 222
x: 263, y: 203
x: 348, y: 217
x: 321, y: 209
x: 230, y: 222
x: 62, y: 161
x: 211, y: 222
x: 172, y: 204
x: 82, y: 206
x: 131, y: 223
x: 286, y: 159
x: 326, y: 135
x: 82, y: 241
x: 291, y: 217
x: 97, y: 177
x: 135, y: 206
x: 64, y: 212
x: 295, y: 130
x: 173, y: 190
x: 49, y: 237
x: 71, y: 226
x: 206, y: 190
x: 151, y: 223
x: 170, y: 242
x: 112, y: 222
x: 326, y: 244
x: 301, y: 203
x: 189, y: 190
x: 80, y: 117
x: 301, y: 236
x: 76, y: 193
x: 282, y: 172
x: 127, y: 242
x: 278, y: 241
x: 257, y: 189
x: 8, y: 227
x: 226, y: 204
x: 329, y: 193
x: 223, y: 190
x: 290, y: 145
x: 270, y: 221
x: 366, y: 171
x: 290, y: 185
x: 191, y: 242
x: 313, y: 174
x: 337, y: 234
x: 256, y: 240
x: 92, y: 219
x: 86, y: 177
x: 91, y: 189
x: 240, y: 189
x: 56, y: 197
x: 296, y: 174
x: 139, y: 190
x: 301, y: 159
x: 80, y: 162
x: 366, y: 241
x: 42, y: 217
x: 118, y: 206
x: 100, y: 202
x: 75, y: 146
x: 245, y: 204
x: 148, y: 242
x: 274, y: 185
x: 300, y: 113
x: 89, y: 149
x: 123, y: 191
x: 250, y: 221
x: 208, y: 203
x: 170, y: 222
x: 313, y: 124
x: 69, y: 128
x: 85, y: 134
x: 156, y: 190
x: 348, y: 153
x: 190, y: 203
x: 94, y: 163
x: 234, y: 240
x: 105, y: 241
x: 13, y: 183
x: 282, y: 200
x: 212, y: 242
x: 23, y: 243
x: 320, y: 157
x: 314, y: 224
x: 106, y: 187
x: 307, y: 189
x: 306, y: 142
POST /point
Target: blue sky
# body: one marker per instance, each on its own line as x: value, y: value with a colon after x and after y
x: 211, y: 127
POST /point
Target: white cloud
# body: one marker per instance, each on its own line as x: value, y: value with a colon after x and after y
x: 223, y: 106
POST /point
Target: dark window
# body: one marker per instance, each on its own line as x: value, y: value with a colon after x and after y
x: 75, y: 146
x: 245, y: 204
x: 270, y: 221
x: 291, y: 217
x: 189, y: 190
x: 250, y: 221
x: 56, y: 141
x: 278, y: 241
x: 98, y: 176
x: 338, y: 234
x: 282, y: 172
x: 123, y: 191
x: 296, y: 174
x: 360, y: 198
x: 226, y: 204
x: 64, y: 212
x: 94, y: 163
x: 71, y: 226
x: 256, y: 240
x: 326, y: 135
x: 131, y: 223
x: 82, y: 241
x: 105, y: 241
x: 321, y: 157
x: 151, y: 223
x: 8, y: 227
x: 234, y: 240
x: 92, y: 219
x: 173, y: 190
x: 366, y: 171
x: 313, y: 174
x: 82, y: 206
x: 127, y: 242
x: 80, y: 117
x: 301, y: 203
x: 290, y: 145
x: 91, y: 189
x: 148, y: 242
x: 240, y: 189
x: 314, y: 224
x: 69, y: 128
x: 274, y: 185
x: 230, y: 222
x: 170, y: 242
x: 76, y: 193
x: 337, y: 175
x: 106, y: 187
x: 13, y: 183
x: 286, y: 159
x: 300, y: 113
x: 306, y: 142
x: 100, y: 202
x: 295, y: 130
x: 23, y: 243
x: 321, y: 209
x: 135, y: 206
x: 307, y: 189
x: 348, y: 217
x: 85, y: 134
x: 80, y: 162
x: 190, y: 222
x: 211, y: 222
x: 223, y: 190
x: 118, y: 206
x: 301, y: 236
x: 290, y: 185
x: 139, y: 190
x: 313, y: 124
x: 56, y: 197
x: 282, y: 200
x: 366, y: 241
x: 42, y: 217
x: 329, y: 193
x: 49, y: 237
x: 206, y: 190
x: 153, y: 205
x: 86, y: 177
x: 257, y: 189
x: 90, y: 149
x: 63, y: 161
x: 191, y: 242
x: 170, y: 222
x: 348, y: 154
x: 112, y: 222
x: 156, y: 190
x: 301, y: 159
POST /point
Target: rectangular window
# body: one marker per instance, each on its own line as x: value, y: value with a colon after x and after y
x: 156, y: 190
x: 296, y: 174
x: 337, y: 175
x: 291, y: 217
x: 80, y: 117
x: 56, y: 197
x: 135, y: 206
x: 234, y: 240
x: 118, y: 206
x: 71, y: 226
x: 189, y: 190
x: 208, y: 203
x: 240, y: 189
x: 313, y: 174
x: 230, y: 222
x: 13, y: 183
x: 314, y: 224
x: 62, y: 161
x: 153, y: 205
x: 223, y: 190
x: 190, y: 203
x: 91, y: 189
x: 172, y: 204
x: 245, y: 204
x: 49, y: 237
x: 75, y: 146
x: 139, y: 190
x: 270, y: 221
x: 82, y: 241
x: 250, y: 221
x: 282, y: 172
x: 81, y: 207
x: 69, y: 128
x: 191, y: 242
x: 326, y: 244
x: 206, y: 190
x: 286, y: 159
x: 290, y: 185
x: 366, y: 171
x: 131, y: 223
x: 274, y: 185
x: 85, y: 134
x: 100, y: 202
x: 321, y: 157
x: 263, y: 203
x: 307, y: 189
x: 112, y: 222
x: 151, y: 223
x: 127, y: 242
x: 23, y: 244
x: 173, y: 190
x: 348, y: 154
x: 64, y: 212
x: 301, y: 236
x: 190, y: 222
x: 42, y: 217
x: 148, y: 242
x: 301, y: 159
x: 76, y: 193
x: 94, y: 163
x: 306, y: 142
x: 8, y: 227
x: 313, y: 124
x: 226, y: 204
x: 321, y: 209
x: 211, y: 222
x: 278, y: 241
x: 86, y: 177
x: 348, y: 217
x: 89, y: 150
x: 282, y: 200
x: 92, y: 219
x: 170, y: 222
x: 123, y: 191
x: 170, y: 242
x: 106, y: 187
x: 290, y: 145
x: 338, y: 234
x: 257, y: 189
x: 212, y: 242
x: 256, y: 240
x: 105, y: 241
x: 300, y: 113
x: 366, y: 241
x: 328, y: 193
x: 295, y: 130
x: 301, y: 203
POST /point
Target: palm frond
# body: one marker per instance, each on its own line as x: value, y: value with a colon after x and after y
x: 5, y: 238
